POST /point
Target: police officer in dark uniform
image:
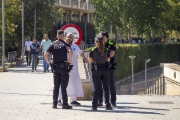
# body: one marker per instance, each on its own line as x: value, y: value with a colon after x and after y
x: 112, y: 48
x: 100, y: 72
x: 60, y: 68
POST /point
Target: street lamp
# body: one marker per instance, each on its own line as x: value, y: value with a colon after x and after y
x: 23, y: 31
x: 132, y: 57
x: 99, y: 25
x: 146, y: 61
x: 111, y: 29
x: 3, y: 38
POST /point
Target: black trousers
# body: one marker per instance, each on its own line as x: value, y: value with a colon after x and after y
x: 61, y: 77
x: 101, y: 75
x: 112, y: 89
x: 28, y: 61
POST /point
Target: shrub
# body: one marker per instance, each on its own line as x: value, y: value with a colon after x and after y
x: 158, y: 53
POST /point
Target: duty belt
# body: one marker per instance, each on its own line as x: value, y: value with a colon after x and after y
x: 61, y: 65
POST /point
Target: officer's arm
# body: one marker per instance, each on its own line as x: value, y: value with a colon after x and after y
x: 46, y: 56
x: 70, y: 56
x: 113, y: 50
x: 90, y: 59
x: 112, y: 54
x: 91, y: 55
x: 108, y: 59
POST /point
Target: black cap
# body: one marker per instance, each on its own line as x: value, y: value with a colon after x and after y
x: 98, y: 38
x: 59, y: 32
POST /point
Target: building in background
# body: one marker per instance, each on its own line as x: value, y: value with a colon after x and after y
x: 75, y: 10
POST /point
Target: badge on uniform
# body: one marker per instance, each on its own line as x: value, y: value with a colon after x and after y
x: 114, y: 45
x: 109, y: 46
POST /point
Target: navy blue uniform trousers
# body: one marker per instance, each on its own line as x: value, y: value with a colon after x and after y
x: 61, y: 77
x: 101, y: 77
x: 112, y: 89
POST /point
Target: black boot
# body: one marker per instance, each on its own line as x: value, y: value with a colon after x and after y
x: 66, y: 107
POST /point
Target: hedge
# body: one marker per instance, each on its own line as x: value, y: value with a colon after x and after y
x: 158, y: 53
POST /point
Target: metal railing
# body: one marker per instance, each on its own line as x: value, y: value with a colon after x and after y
x: 74, y: 4
x: 152, y: 86
x: 84, y: 47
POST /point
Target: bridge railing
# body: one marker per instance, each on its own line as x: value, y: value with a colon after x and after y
x: 152, y: 86
x: 85, y: 46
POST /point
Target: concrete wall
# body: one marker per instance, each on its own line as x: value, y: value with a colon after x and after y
x: 171, y: 87
x: 172, y: 73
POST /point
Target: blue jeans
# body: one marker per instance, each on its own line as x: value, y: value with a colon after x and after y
x: 45, y: 64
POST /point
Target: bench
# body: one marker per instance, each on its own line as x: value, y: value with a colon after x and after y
x: 19, y: 61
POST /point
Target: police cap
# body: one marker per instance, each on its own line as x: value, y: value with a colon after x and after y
x: 98, y: 38
x: 59, y: 32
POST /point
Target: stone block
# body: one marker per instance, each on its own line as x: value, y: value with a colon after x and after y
x: 86, y: 85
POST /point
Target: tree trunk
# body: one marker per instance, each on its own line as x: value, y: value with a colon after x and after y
x: 130, y: 33
x: 152, y: 34
x: 121, y: 35
x: 175, y: 36
x: 19, y: 43
x: 171, y: 36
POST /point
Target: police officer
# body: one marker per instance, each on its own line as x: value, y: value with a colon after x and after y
x: 112, y: 48
x: 100, y: 72
x: 59, y: 50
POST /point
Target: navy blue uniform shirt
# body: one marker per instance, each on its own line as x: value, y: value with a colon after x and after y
x: 111, y: 45
x: 34, y: 48
x: 59, y: 50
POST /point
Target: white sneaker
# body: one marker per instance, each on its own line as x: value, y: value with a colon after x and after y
x: 59, y: 103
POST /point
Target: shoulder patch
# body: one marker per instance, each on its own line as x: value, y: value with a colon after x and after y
x: 111, y: 43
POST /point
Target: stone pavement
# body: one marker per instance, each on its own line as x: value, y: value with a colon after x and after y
x: 28, y: 96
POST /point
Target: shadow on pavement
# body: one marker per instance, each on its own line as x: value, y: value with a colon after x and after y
x: 120, y: 111
x: 26, y: 94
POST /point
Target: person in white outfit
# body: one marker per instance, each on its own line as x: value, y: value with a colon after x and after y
x: 74, y: 88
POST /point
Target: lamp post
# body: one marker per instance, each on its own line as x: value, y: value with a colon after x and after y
x: 3, y: 39
x: 132, y: 57
x: 35, y: 21
x: 99, y: 25
x: 111, y: 29
x: 146, y: 61
x: 23, y: 30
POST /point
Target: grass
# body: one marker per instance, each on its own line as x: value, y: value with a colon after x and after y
x: 9, y: 66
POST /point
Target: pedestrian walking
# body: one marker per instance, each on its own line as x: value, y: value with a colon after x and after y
x: 100, y: 71
x: 112, y: 48
x: 74, y: 88
x: 60, y: 68
x: 44, y: 46
x: 26, y: 50
x: 34, y: 52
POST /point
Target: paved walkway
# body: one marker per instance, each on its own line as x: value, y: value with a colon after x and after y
x: 25, y: 95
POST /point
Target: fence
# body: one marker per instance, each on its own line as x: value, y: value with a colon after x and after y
x: 152, y: 86
x: 84, y: 47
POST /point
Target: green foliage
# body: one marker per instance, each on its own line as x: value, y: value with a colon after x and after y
x: 46, y: 16
x: 160, y: 16
x: 158, y: 53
